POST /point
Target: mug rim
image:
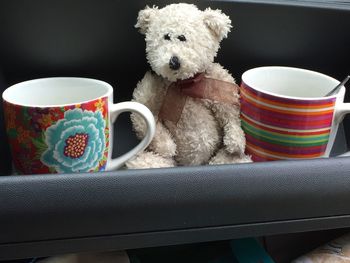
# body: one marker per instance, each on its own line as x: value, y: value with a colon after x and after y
x: 5, y: 94
x: 342, y: 89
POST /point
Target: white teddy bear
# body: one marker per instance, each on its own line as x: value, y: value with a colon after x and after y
x: 194, y: 100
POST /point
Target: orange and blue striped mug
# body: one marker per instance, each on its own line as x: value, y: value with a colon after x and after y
x: 286, y: 115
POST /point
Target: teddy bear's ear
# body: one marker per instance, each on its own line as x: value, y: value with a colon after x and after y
x: 144, y: 18
x: 217, y: 22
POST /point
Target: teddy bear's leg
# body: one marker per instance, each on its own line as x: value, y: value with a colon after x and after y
x: 224, y: 157
x: 149, y: 160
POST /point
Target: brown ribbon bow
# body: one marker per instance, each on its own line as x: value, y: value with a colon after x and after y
x: 199, y: 87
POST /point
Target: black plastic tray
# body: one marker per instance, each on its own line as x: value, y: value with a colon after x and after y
x: 51, y: 214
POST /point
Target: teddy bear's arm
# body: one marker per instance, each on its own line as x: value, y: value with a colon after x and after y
x: 228, y: 116
x: 150, y: 91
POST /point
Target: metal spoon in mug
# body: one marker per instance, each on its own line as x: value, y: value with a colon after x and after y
x: 333, y: 91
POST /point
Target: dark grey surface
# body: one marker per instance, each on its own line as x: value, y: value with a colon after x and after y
x: 169, y: 238
x: 129, y: 209
x: 50, y: 214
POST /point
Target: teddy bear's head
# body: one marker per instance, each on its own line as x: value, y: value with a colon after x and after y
x: 181, y: 40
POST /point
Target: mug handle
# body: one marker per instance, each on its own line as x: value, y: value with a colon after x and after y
x: 130, y: 106
x: 341, y: 110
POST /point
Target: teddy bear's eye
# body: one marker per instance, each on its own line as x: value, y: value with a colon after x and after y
x: 182, y: 38
x: 167, y: 37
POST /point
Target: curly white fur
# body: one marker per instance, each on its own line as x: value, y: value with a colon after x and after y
x: 208, y: 132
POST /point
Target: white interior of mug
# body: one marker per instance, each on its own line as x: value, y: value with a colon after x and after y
x: 289, y: 82
x: 60, y: 91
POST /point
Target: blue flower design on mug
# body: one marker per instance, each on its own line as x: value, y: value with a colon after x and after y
x: 75, y: 143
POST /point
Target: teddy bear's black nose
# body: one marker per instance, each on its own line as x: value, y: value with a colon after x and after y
x: 174, y: 63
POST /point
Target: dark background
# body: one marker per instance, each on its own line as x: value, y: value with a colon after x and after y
x: 97, y: 39
x: 42, y: 215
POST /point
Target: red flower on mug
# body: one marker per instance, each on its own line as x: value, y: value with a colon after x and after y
x: 23, y: 136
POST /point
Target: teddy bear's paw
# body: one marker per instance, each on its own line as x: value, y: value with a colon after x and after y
x: 234, y: 141
x: 166, y: 148
x: 162, y: 143
x: 223, y: 157
x: 243, y: 159
x: 149, y: 160
x: 234, y: 146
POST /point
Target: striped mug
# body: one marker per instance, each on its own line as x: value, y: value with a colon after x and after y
x: 286, y: 115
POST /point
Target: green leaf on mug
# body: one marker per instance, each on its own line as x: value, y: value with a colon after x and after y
x: 52, y: 170
x: 12, y: 133
x: 25, y: 146
x: 26, y: 116
x: 107, y: 136
x: 41, y: 146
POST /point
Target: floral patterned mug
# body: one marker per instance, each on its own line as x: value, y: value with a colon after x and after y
x: 64, y: 125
